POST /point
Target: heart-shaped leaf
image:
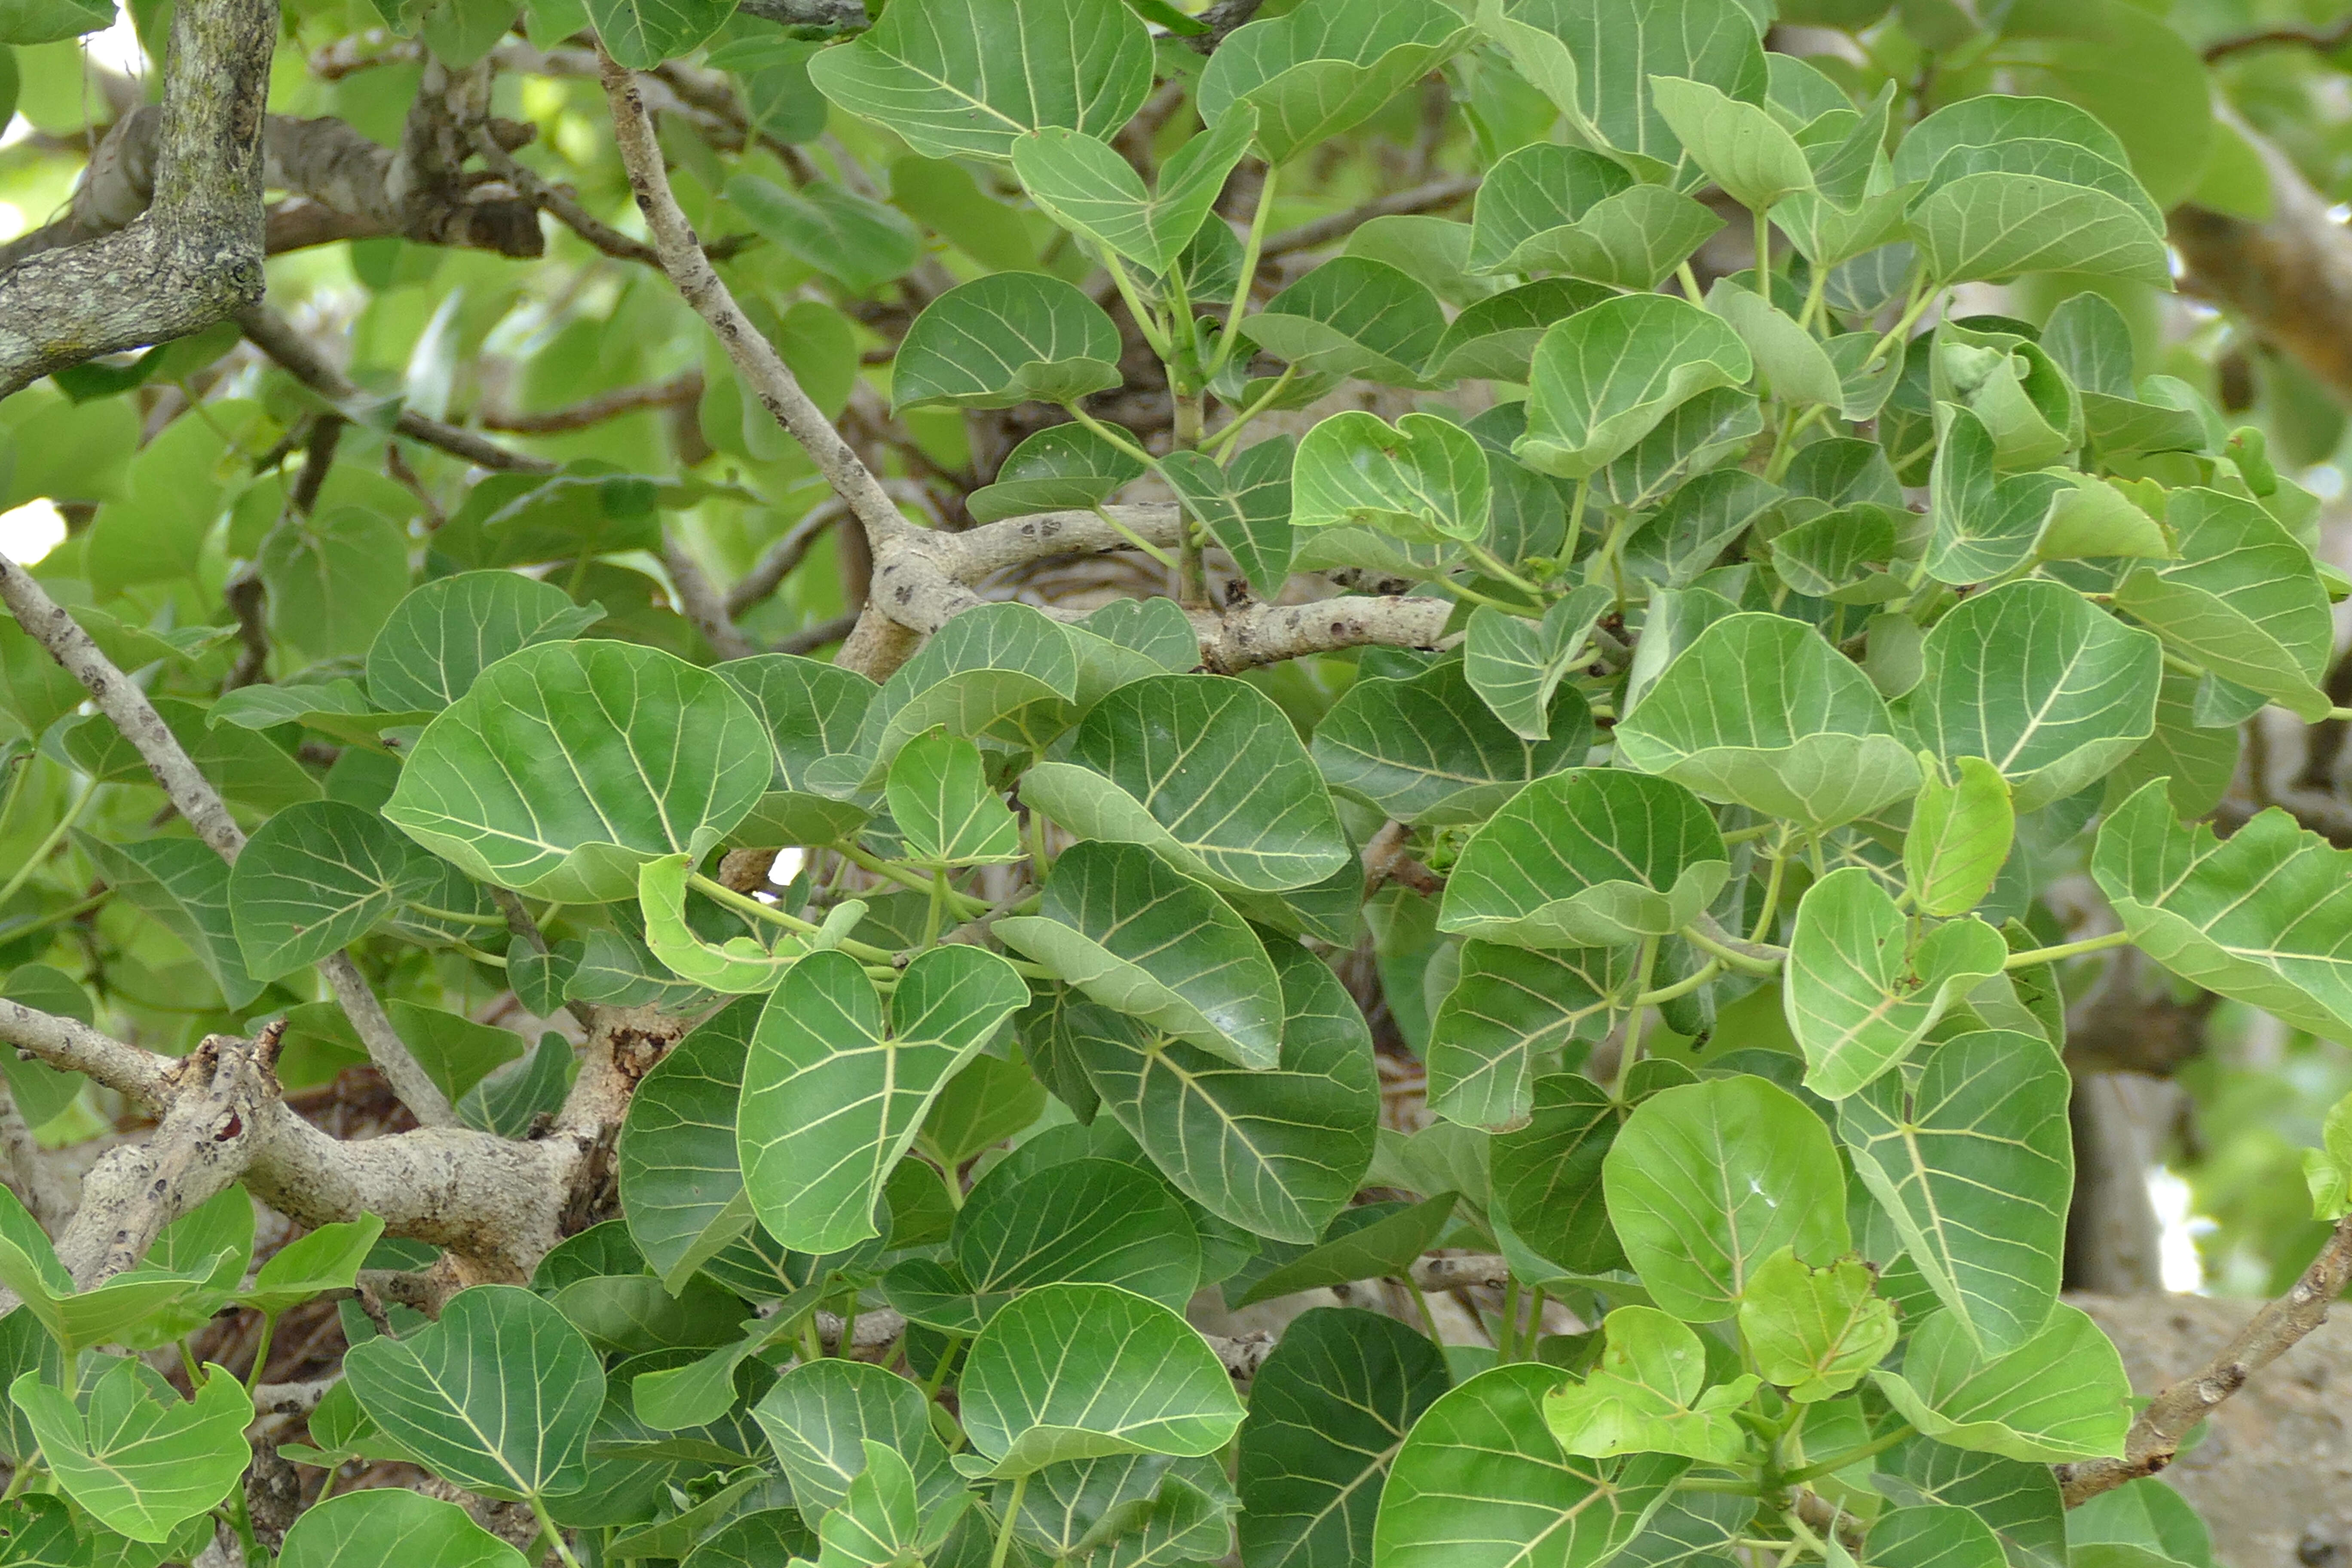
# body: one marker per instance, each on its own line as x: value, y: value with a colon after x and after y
x: 1245, y: 507
x: 1860, y: 992
x: 2037, y: 680
x: 2059, y: 1395
x: 1428, y: 749
x: 986, y: 672
x: 943, y: 806
x: 1958, y: 838
x: 1481, y: 1482
x: 1277, y: 1151
x: 1004, y: 338
x: 1815, y: 1332
x: 1516, y: 665
x: 1992, y: 226
x: 498, y: 1396
x: 1707, y: 1180
x: 1975, y: 1165
x: 1325, y: 67
x: 819, y: 1417
x: 1085, y: 185
x: 968, y: 77
x: 1140, y: 937
x: 1738, y: 146
x: 387, y: 1527
x: 658, y: 757
x: 1424, y: 479
x: 138, y: 1457
x: 1547, y: 1175
x: 1072, y: 1372
x: 1588, y: 858
x: 1496, y: 337
x: 1603, y: 378
x: 1328, y: 1413
x: 1616, y: 53
x: 1759, y: 710
x: 1059, y: 468
x: 833, y: 1095
x: 448, y: 631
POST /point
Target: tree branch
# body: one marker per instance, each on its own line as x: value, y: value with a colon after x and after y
x: 590, y: 411
x: 1423, y: 198
x: 2324, y: 40
x: 126, y: 706
x: 560, y: 203
x: 702, y: 603
x: 776, y: 562
x: 2157, y: 1435
x: 195, y: 253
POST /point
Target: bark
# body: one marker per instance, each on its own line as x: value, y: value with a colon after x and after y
x: 195, y: 253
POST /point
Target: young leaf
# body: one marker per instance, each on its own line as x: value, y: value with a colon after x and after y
x: 1245, y: 507
x: 1140, y: 937
x: 1328, y: 1413
x: 878, y: 1520
x: 329, y: 1258
x: 142, y: 1459
x: 1974, y: 1166
x: 2061, y: 1395
x: 819, y: 1417
x: 1004, y: 338
x: 1815, y: 1332
x: 1204, y: 770
x: 1071, y: 1372
x: 1516, y: 664
x: 1603, y: 378
x: 1760, y: 711
x: 1649, y: 1395
x: 738, y: 966
x: 1958, y: 838
x: 1707, y: 1181
x: 1984, y: 526
x: 392, y: 1528
x: 1325, y: 67
x: 479, y: 788
x: 968, y: 77
x: 1085, y: 185
x: 831, y: 1097
x: 940, y: 801
x: 496, y: 1397
x: 1481, y: 1482
x: 1860, y: 992
x: 1739, y: 145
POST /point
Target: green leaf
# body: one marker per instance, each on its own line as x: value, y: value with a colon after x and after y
x: 832, y: 1097
x: 1373, y: 1242
x: 1516, y: 665
x: 878, y: 1521
x: 1588, y: 858
x: 1496, y: 336
x: 2036, y: 679
x: 968, y: 77
x: 681, y: 1188
x: 979, y: 675
x: 2059, y: 1395
x: 1707, y: 1181
x: 2018, y: 1499
x: 1984, y: 526
x: 1427, y: 750
x: 1934, y: 1536
x: 1060, y: 467
x: 1530, y: 195
x: 2031, y: 410
x: 2244, y: 600
x: 1074, y: 1372
x: 139, y: 1457
x: 1547, y: 1175
x: 1739, y: 146
x: 1481, y: 1482
x: 336, y: 707
x: 1760, y: 711
x: 1794, y: 365
x: 1992, y: 226
x: 47, y: 21
x: 1975, y: 1166
x: 138, y: 1306
x: 819, y: 1417
x: 328, y: 1258
x: 1328, y: 1411
x: 1617, y: 53
x: 1958, y: 838
x: 1507, y: 1019
x: 737, y: 966
x: 316, y: 878
x: 1279, y: 1151
x: 1423, y: 481
x: 1082, y: 184
x: 1326, y: 67
x: 498, y: 1396
x: 941, y: 803
x: 1352, y: 316
x: 992, y: 1098
x: 1860, y: 992
x: 449, y: 630
x: 2146, y: 1513
x: 40, y: 1533
x: 2019, y: 133
x: 1140, y: 937
x: 333, y: 579
x: 642, y: 34
x: 1604, y: 377
x: 388, y: 1528
x: 480, y: 789
x: 840, y: 233
x: 184, y: 888
x: 1007, y: 338
x: 1206, y: 771
x: 1245, y: 507
x: 1649, y: 1395
x: 2258, y: 917
x: 1815, y: 1332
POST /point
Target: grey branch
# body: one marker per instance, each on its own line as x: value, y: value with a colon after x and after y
x: 195, y: 253
x: 126, y: 706
x: 832, y: 16
x: 275, y: 336
x: 683, y: 388
x: 778, y: 560
x: 2157, y: 1435
x: 702, y: 603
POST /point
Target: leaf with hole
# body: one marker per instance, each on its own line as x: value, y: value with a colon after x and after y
x: 1815, y: 1332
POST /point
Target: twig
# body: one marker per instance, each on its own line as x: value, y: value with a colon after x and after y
x: 1386, y: 860
x: 808, y: 639
x: 560, y: 204
x: 126, y: 706
x: 1222, y: 19
x: 2324, y: 40
x: 776, y: 562
x: 686, y: 388
x: 702, y: 603
x: 2157, y: 1435
x: 1423, y: 198
x: 28, y: 1169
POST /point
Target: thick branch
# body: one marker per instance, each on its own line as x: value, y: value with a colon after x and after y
x: 273, y: 335
x: 126, y: 706
x: 832, y: 16
x: 195, y: 254
x: 2157, y: 1435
